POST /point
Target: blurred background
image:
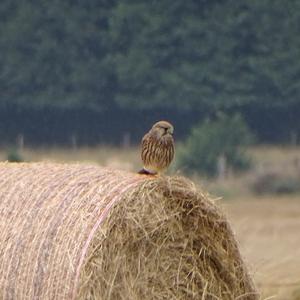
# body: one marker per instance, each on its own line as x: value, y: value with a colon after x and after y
x: 84, y: 80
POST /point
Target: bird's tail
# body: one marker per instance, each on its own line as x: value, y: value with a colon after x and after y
x: 146, y: 172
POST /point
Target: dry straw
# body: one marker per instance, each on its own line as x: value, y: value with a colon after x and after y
x: 84, y: 232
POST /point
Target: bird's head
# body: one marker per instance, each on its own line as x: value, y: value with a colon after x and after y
x: 163, y: 128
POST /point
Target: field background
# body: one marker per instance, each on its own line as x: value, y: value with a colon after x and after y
x: 267, y: 226
x: 78, y: 76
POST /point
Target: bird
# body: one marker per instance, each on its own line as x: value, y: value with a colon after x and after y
x: 157, y: 148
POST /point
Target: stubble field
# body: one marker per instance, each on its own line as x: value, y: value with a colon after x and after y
x: 268, y: 230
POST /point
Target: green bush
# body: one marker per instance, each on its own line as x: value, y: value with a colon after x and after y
x: 225, y: 137
x: 13, y: 155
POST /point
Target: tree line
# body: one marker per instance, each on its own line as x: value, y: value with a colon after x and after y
x: 108, y: 67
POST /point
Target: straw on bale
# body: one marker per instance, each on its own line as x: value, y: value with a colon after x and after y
x: 84, y: 232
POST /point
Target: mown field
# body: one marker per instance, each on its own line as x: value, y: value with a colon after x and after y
x: 267, y: 225
x: 268, y: 229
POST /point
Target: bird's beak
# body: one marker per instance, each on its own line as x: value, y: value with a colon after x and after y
x: 170, y: 131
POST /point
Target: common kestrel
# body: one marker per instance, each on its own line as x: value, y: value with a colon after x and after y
x: 157, y: 150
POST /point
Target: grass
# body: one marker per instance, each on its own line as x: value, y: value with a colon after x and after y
x: 282, y: 155
x: 125, y: 158
x: 267, y: 227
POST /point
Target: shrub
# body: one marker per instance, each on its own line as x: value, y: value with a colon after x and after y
x: 225, y: 137
x: 273, y: 183
x: 13, y: 155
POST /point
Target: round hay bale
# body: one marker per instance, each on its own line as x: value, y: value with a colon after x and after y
x: 85, y: 232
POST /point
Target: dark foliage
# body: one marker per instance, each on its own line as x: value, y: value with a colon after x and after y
x: 159, y: 58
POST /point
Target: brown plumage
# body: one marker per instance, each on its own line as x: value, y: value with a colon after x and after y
x: 157, y: 148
